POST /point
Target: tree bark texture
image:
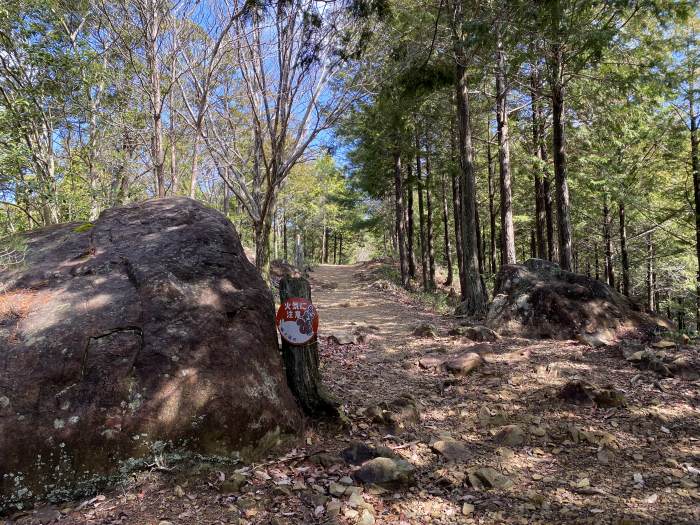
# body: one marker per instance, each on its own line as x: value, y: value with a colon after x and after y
x: 492, y: 209
x: 475, y: 297
x: 508, y: 248
x: 537, y: 146
x: 447, y: 244
x: 623, y: 249
x: 400, y: 232
x: 609, y: 269
x: 301, y: 362
x: 410, y: 222
x: 430, y: 238
x: 560, y: 175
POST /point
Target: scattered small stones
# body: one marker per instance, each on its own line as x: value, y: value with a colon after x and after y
x: 464, y: 364
x: 343, y: 338
x: 386, y: 472
x: 596, y: 339
x: 486, y: 477
x: 578, y: 391
x: 511, y: 436
x: 480, y: 334
x: 425, y: 330
x: 336, y: 489
x: 451, y: 449
x: 366, y: 518
x: 233, y: 483
x: 430, y: 362
x: 663, y: 344
x: 398, y: 414
x: 358, y: 452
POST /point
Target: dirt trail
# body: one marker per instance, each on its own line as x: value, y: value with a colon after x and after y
x: 576, y: 463
x: 347, y: 300
x: 555, y: 461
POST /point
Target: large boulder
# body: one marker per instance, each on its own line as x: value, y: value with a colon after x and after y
x: 538, y: 299
x: 148, y: 328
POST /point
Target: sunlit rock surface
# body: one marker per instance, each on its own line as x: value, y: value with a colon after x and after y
x: 146, y: 329
x: 538, y: 299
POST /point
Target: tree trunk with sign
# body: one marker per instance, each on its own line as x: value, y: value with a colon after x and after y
x: 301, y: 362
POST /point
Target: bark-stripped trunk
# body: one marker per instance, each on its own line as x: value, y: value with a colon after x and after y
x: 448, y: 247
x: 400, y: 233
x: 475, y: 297
x: 623, y: 249
x: 508, y: 232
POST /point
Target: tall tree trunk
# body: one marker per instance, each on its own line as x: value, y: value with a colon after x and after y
x: 326, y: 235
x: 623, y: 249
x: 152, y: 58
x: 410, y: 222
x: 559, y: 146
x: 537, y: 146
x: 650, y: 274
x: 429, y: 222
x: 597, y: 262
x: 194, y: 166
x: 335, y: 248
x: 226, y: 204
x: 457, y: 211
x: 421, y: 225
x: 479, y: 245
x: 284, y: 234
x: 476, y: 299
x: 446, y: 224
x: 492, y: 209
x: 508, y: 247
x: 340, y: 249
x: 398, y: 193
x: 301, y: 362
x: 171, y: 122
x: 262, y: 246
x: 609, y: 269
x: 695, y: 166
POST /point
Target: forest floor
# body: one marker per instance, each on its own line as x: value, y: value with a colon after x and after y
x: 553, y: 461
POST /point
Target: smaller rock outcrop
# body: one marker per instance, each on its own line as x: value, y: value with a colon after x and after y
x: 539, y: 299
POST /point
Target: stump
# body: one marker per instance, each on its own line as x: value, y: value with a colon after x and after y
x: 301, y: 362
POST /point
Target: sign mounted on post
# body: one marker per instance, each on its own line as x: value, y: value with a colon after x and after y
x: 297, y: 321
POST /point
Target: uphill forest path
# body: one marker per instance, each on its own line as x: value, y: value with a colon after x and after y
x: 573, y: 464
x: 555, y: 461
